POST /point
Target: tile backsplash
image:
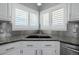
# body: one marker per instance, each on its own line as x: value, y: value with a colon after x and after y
x: 6, y: 31
x: 27, y: 32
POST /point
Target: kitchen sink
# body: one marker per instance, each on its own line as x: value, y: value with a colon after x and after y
x: 38, y: 36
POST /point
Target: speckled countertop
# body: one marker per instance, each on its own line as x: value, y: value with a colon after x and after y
x: 71, y: 40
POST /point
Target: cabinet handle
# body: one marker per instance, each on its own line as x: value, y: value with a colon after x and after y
x: 55, y: 51
x: 41, y: 52
x: 21, y: 51
x: 10, y: 48
x: 29, y: 45
x: 48, y: 45
x: 35, y: 52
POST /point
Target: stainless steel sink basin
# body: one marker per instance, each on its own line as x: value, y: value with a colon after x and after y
x: 38, y: 36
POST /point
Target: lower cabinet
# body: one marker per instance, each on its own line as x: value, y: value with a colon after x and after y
x: 50, y: 48
x: 68, y: 49
x: 48, y: 51
x: 41, y: 48
x: 29, y: 51
x: 10, y: 49
x: 31, y: 48
x: 13, y: 52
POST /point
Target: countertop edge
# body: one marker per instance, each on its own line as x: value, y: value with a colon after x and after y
x: 39, y: 40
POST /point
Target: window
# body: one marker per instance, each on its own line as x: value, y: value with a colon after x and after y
x: 58, y: 19
x: 45, y: 19
x: 21, y: 17
x: 24, y: 18
x: 33, y: 19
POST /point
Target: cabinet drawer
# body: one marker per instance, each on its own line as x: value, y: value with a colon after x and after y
x: 6, y: 50
x: 8, y: 47
x: 49, y: 43
x: 30, y: 44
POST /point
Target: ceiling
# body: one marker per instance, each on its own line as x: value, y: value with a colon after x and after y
x: 39, y: 8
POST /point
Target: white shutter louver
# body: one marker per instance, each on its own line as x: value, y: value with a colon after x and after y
x: 33, y: 19
x: 21, y: 17
x: 45, y: 19
x: 58, y: 22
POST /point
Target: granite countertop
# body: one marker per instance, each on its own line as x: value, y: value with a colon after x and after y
x: 23, y: 38
x: 69, y: 40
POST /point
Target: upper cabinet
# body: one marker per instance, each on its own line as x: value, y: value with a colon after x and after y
x: 74, y: 11
x: 54, y: 18
x: 5, y: 11
x: 24, y: 18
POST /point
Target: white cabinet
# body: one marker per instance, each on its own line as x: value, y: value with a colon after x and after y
x: 74, y: 11
x: 9, y: 12
x: 10, y: 49
x: 29, y: 51
x: 41, y: 48
x: 50, y: 48
x: 48, y: 51
x: 5, y: 11
x: 15, y: 51
x: 31, y: 48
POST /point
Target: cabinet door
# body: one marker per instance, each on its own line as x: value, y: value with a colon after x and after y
x: 3, y: 10
x: 15, y: 51
x: 29, y: 51
x: 9, y: 12
x: 10, y: 51
x: 11, y: 48
x: 30, y: 47
x: 75, y: 11
x: 50, y: 48
x: 48, y: 51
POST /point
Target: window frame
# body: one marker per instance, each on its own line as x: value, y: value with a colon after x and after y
x: 44, y: 27
x: 36, y: 15
x: 66, y: 18
x: 26, y: 16
x: 22, y: 7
